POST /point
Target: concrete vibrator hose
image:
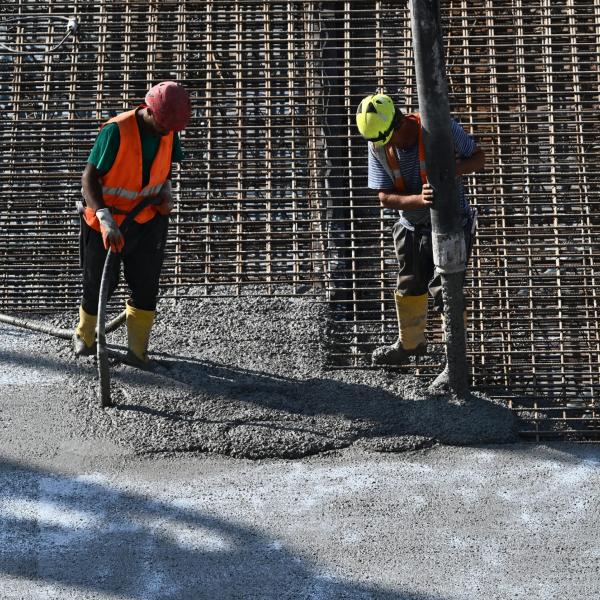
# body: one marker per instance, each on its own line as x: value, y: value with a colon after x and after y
x: 65, y: 334
x: 101, y: 328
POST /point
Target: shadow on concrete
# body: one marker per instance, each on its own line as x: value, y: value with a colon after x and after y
x: 87, y: 535
x: 189, y: 404
x: 367, y: 410
x: 36, y: 361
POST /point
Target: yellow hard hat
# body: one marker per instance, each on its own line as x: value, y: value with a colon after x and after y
x: 376, y: 118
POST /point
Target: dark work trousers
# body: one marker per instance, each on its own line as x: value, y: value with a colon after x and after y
x: 416, y: 271
x: 142, y: 259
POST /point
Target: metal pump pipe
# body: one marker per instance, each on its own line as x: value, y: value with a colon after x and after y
x: 449, y: 247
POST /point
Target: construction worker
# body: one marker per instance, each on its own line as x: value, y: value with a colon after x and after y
x: 131, y: 160
x: 397, y: 172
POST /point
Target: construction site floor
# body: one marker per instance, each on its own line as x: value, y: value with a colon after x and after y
x: 88, y: 521
x: 243, y: 468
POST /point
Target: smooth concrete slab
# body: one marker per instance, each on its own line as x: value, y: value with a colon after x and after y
x: 447, y: 523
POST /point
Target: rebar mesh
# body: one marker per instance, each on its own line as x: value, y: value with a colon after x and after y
x: 273, y: 188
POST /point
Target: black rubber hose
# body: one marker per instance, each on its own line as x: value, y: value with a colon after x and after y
x: 65, y: 334
x: 101, y: 353
x: 103, y: 371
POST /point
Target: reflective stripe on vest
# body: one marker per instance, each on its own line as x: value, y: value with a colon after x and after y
x: 149, y: 190
x: 392, y: 159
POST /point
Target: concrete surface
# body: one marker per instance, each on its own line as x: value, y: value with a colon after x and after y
x: 512, y: 522
x: 89, y: 510
x: 249, y: 377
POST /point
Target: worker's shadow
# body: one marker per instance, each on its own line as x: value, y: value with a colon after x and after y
x: 353, y: 410
x: 84, y: 537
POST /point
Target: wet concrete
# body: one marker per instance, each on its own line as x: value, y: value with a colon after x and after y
x: 98, y: 504
x: 248, y: 377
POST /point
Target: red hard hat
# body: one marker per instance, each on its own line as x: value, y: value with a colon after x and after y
x: 170, y: 104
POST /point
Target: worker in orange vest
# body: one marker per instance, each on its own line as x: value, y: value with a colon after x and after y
x: 131, y: 160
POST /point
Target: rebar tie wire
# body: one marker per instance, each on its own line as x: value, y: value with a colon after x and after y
x: 72, y: 29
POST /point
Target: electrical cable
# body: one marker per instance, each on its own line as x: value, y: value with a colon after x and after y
x: 72, y: 29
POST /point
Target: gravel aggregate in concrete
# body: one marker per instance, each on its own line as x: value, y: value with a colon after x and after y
x: 248, y: 376
x: 102, y: 504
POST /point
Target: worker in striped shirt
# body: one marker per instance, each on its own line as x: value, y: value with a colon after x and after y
x: 397, y: 172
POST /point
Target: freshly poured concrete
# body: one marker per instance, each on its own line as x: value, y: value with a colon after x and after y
x: 105, y: 504
x: 249, y: 377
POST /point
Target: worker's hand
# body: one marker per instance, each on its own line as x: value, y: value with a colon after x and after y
x: 166, y: 197
x: 427, y: 195
x: 111, y: 234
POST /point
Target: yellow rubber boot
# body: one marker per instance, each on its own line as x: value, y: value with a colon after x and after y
x: 139, y: 325
x: 412, y: 320
x: 84, y: 338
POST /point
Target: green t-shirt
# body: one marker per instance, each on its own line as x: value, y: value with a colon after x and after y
x: 105, y: 150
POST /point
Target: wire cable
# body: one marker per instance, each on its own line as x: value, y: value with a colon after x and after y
x: 72, y: 29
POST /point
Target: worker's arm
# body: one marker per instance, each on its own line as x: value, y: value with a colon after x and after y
x: 472, y: 164
x: 92, y: 192
x: 92, y: 188
x: 166, y: 198
x: 392, y: 199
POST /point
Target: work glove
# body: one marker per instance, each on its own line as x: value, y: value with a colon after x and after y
x: 111, y: 234
x: 166, y: 197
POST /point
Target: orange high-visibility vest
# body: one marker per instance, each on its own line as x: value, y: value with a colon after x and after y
x: 392, y: 160
x: 122, y: 186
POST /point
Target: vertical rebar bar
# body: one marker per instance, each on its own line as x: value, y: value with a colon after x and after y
x: 348, y: 146
x: 525, y: 170
x: 181, y: 53
x: 239, y: 137
x: 267, y: 33
x: 209, y: 145
x: 547, y: 53
x: 293, y: 126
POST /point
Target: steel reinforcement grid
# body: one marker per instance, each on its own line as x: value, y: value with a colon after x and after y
x: 272, y: 195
